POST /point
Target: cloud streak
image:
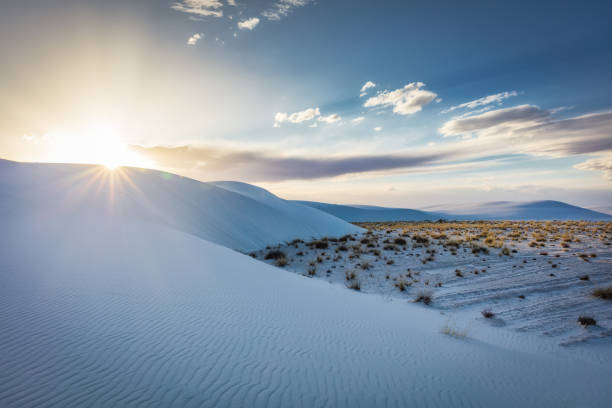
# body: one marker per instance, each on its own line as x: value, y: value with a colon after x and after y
x: 486, y: 100
x: 405, y: 101
x: 203, y: 8
x: 283, y: 8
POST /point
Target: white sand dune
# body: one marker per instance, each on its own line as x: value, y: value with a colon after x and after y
x: 216, y: 214
x: 104, y: 306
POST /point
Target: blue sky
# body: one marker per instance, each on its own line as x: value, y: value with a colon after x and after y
x: 473, y: 101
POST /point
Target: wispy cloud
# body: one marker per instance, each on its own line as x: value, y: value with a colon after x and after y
x: 378, y: 128
x: 255, y: 166
x: 365, y: 87
x: 486, y: 100
x: 602, y: 164
x: 358, y: 119
x: 282, y: 8
x: 199, y: 7
x: 333, y: 118
x: 193, y: 40
x: 515, y: 117
x: 305, y: 116
x: 296, y: 117
x: 248, y: 24
x: 405, y: 101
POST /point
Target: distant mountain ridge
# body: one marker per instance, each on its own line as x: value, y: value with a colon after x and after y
x: 496, y: 210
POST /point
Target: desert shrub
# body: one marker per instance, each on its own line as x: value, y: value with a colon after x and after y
x: 584, y: 277
x: 390, y: 262
x: 505, y: 251
x: 354, y: 284
x: 401, y: 285
x: 454, y: 331
x: 275, y: 254
x: 312, y: 271
x: 586, y: 321
x: 399, y: 241
x: 282, y: 261
x: 320, y: 244
x: 458, y: 273
x: 342, y: 248
x: 350, y: 275
x: 487, y: 314
x: 365, y: 266
x: 603, y: 293
x: 389, y: 247
x: 420, y: 239
x: 424, y: 297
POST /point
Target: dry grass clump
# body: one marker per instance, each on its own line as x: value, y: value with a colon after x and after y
x: 603, y: 293
x: 399, y: 241
x: 275, y: 254
x: 282, y: 261
x: 586, y: 321
x: 453, y: 331
x: 354, y: 284
x: 424, y: 296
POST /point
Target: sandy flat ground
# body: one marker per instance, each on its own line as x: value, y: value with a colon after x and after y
x: 541, y: 289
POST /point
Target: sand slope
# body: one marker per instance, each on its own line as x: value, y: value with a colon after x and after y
x: 118, y: 312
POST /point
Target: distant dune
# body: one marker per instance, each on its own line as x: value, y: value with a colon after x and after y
x: 362, y: 213
x: 510, y: 210
x: 212, y: 212
x: 500, y: 210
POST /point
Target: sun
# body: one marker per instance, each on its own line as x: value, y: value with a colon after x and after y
x: 97, y: 144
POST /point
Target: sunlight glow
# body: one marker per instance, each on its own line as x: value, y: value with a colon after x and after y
x: 99, y: 144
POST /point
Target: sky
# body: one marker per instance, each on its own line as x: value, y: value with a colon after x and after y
x: 395, y: 103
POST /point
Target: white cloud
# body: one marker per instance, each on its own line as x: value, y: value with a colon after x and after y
x: 333, y: 118
x: 378, y: 128
x: 199, y: 7
x: 193, y: 40
x: 496, y: 98
x: 232, y: 3
x: 282, y: 8
x: 365, y: 87
x: 603, y: 164
x: 248, y: 24
x: 405, y: 101
x: 499, y: 120
x: 296, y: 117
x: 358, y: 119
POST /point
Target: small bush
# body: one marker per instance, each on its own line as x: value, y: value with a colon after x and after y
x: 487, y: 314
x: 354, y: 284
x: 603, y: 293
x: 275, y: 255
x: 458, y: 273
x: 312, y: 271
x: 584, y: 277
x: 399, y: 241
x: 586, y: 321
x: 365, y: 266
x: 424, y: 296
x: 280, y: 262
x: 320, y: 244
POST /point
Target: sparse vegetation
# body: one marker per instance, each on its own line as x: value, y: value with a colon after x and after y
x: 424, y: 297
x: 603, y: 293
x: 487, y: 314
x: 275, y: 254
x: 587, y: 321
